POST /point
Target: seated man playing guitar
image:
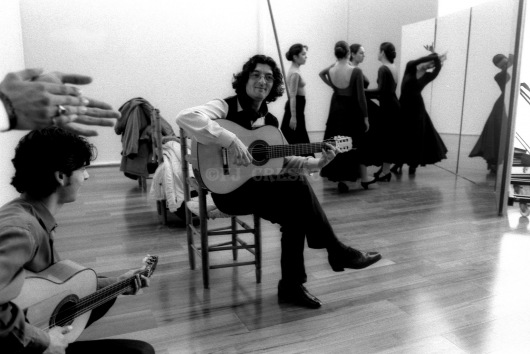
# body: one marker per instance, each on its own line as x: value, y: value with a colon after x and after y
x: 287, y: 198
x: 49, y: 170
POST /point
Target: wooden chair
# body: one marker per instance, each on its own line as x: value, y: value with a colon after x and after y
x: 203, y: 207
x: 161, y: 205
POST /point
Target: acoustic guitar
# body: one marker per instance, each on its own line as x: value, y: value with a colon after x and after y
x: 214, y: 168
x: 65, y: 295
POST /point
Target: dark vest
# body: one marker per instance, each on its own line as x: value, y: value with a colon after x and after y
x: 246, y: 117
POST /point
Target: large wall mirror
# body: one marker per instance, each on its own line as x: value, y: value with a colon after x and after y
x: 469, y: 100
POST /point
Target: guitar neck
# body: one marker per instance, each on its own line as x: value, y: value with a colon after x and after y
x: 275, y: 151
x: 105, y: 294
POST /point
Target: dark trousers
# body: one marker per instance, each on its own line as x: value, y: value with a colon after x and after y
x: 108, y: 346
x: 290, y: 202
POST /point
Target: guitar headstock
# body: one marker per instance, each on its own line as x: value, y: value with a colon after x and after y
x: 150, y: 263
x: 342, y: 143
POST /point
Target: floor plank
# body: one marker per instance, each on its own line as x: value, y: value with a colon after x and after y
x: 452, y: 280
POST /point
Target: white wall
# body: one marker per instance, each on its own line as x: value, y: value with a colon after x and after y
x: 11, y: 59
x: 175, y: 54
x: 446, y: 7
x: 178, y: 54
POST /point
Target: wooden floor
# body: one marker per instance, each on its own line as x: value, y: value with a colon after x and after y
x: 454, y: 277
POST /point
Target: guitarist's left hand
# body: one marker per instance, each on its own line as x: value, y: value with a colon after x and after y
x: 141, y: 281
x: 328, y: 154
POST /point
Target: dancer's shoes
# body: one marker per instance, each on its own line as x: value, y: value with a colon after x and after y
x: 397, y: 168
x: 366, y: 184
x: 385, y: 178
x: 297, y: 294
x: 352, y: 258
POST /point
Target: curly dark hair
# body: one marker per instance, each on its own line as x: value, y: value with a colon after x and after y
x: 240, y: 80
x: 41, y: 153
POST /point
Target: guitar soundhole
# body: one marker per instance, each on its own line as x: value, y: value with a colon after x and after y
x: 65, y: 313
x: 259, y: 151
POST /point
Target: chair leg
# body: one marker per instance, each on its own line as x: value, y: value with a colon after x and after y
x: 142, y: 183
x: 205, y: 253
x: 189, y: 231
x: 257, y: 243
x: 163, y: 207
x: 234, y: 238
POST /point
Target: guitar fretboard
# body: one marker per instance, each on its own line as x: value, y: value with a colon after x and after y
x: 101, y: 296
x: 275, y: 151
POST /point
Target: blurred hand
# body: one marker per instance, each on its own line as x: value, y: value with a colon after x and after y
x: 35, y: 98
x: 35, y: 103
x: 140, y: 282
x: 443, y: 56
x: 92, y: 112
x: 328, y: 154
x: 58, y: 342
x: 292, y: 123
x: 366, y: 124
x: 240, y: 152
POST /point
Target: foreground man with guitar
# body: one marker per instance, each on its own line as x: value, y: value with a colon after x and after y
x: 285, y: 198
x: 49, y: 170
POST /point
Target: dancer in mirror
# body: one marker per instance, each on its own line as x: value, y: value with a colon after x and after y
x: 487, y: 145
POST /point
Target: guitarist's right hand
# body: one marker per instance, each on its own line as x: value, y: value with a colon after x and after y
x: 58, y: 341
x: 240, y: 153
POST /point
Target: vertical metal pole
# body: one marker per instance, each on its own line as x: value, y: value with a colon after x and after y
x: 277, y: 44
x: 505, y: 172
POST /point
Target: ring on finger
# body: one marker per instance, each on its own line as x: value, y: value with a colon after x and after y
x: 61, y: 110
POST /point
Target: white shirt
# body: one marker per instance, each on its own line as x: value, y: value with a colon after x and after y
x: 200, y: 123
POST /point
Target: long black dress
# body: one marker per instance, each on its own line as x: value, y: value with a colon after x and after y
x: 487, y: 145
x: 422, y: 143
x: 346, y: 117
x: 386, y: 122
x: 299, y: 135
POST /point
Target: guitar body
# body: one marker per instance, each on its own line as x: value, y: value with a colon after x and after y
x: 215, y: 169
x: 47, y: 296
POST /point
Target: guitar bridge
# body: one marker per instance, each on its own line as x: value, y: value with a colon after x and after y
x: 224, y: 153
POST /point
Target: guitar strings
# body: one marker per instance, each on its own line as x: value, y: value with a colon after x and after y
x: 296, y: 147
x: 77, y: 313
x: 99, y: 296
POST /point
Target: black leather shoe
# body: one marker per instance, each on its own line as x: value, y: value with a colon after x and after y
x: 366, y: 184
x: 397, y: 168
x: 385, y: 178
x: 297, y: 294
x: 352, y: 258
